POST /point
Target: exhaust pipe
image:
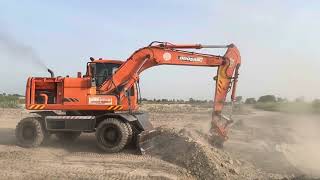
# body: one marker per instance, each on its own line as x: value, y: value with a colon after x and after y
x: 51, y: 73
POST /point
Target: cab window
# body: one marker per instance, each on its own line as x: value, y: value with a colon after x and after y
x: 103, y: 71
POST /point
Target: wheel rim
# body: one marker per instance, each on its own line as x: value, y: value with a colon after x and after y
x: 111, y: 135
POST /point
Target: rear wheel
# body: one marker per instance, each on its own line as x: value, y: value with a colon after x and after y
x: 30, y: 132
x: 67, y: 136
x: 112, y: 135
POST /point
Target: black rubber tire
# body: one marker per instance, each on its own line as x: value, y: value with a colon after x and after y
x: 130, y: 131
x: 118, y: 131
x: 69, y: 136
x: 29, y: 132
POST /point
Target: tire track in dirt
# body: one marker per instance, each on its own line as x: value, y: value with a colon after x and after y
x: 38, y: 163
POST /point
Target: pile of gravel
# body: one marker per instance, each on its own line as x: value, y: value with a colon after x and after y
x: 202, y: 160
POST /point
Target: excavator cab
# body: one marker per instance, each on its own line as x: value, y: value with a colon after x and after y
x: 102, y: 70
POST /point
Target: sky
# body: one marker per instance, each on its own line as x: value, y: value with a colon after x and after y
x: 278, y: 42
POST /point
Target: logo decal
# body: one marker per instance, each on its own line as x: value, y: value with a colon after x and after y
x: 166, y: 56
x: 100, y: 100
x: 191, y: 59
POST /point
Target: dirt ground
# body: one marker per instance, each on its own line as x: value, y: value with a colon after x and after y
x: 262, y: 145
x: 278, y: 142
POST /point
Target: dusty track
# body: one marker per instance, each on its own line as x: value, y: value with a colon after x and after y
x: 82, y: 159
x: 262, y: 145
x: 43, y: 163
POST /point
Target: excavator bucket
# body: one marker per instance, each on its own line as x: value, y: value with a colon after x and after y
x: 147, y: 140
x: 147, y: 137
x: 219, y: 130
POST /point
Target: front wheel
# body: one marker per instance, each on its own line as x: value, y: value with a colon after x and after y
x: 29, y: 132
x: 112, y: 135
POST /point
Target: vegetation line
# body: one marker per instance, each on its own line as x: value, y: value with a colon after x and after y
x: 11, y: 100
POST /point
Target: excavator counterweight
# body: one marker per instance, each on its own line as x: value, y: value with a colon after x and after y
x: 105, y: 100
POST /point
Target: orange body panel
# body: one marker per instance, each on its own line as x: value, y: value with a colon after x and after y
x: 75, y: 91
x: 67, y: 94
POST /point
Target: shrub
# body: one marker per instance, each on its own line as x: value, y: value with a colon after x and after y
x: 267, y: 106
x: 316, y: 105
x: 9, y: 101
x: 267, y: 98
x: 250, y: 101
x: 293, y: 107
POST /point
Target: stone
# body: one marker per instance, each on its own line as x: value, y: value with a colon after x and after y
x: 234, y: 171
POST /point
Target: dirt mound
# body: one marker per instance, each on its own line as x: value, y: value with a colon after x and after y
x: 187, y: 149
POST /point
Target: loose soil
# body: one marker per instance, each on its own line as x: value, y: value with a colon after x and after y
x: 262, y: 145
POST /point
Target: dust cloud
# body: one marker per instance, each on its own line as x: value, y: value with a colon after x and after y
x: 303, y: 153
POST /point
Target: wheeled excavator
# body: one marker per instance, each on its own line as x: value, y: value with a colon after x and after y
x: 105, y: 100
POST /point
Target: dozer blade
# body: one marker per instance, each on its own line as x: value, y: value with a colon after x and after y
x: 146, y: 140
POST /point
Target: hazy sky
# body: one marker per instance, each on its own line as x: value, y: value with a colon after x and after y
x: 278, y: 41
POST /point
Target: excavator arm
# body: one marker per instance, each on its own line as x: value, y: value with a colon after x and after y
x: 160, y: 53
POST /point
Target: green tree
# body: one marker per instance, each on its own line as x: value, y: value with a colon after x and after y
x: 250, y: 101
x: 191, y: 100
x: 267, y: 98
x: 281, y: 100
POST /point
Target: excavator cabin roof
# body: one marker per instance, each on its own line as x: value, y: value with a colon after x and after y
x: 108, y: 61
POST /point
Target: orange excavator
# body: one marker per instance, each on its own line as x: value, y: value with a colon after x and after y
x: 105, y: 100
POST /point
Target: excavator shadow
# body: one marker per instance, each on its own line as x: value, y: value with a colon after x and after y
x: 85, y: 143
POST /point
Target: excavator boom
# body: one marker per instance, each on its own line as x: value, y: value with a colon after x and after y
x: 170, y: 54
